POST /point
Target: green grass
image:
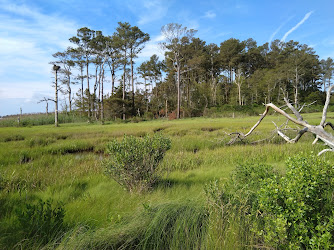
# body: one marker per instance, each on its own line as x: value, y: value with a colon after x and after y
x: 65, y: 164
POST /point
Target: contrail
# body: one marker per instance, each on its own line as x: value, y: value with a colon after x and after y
x: 295, y: 27
x: 278, y: 29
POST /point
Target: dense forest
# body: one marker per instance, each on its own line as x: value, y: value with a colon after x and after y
x: 193, y: 77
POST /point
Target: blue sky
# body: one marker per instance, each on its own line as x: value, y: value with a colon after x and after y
x: 31, y: 31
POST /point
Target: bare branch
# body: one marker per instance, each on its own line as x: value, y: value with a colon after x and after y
x: 259, y: 121
x: 315, y: 140
x: 319, y: 131
x: 329, y: 124
x: 306, y: 105
x: 49, y: 99
x: 324, y: 112
x: 43, y: 100
x: 326, y: 150
x: 286, y: 138
x: 292, y: 108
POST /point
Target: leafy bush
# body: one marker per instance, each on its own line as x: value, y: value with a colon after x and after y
x: 43, y: 221
x: 297, y: 209
x: 133, y: 162
x: 265, y: 209
x: 233, y: 205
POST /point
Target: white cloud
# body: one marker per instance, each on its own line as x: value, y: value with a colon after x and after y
x: 152, y: 47
x: 153, y: 10
x: 209, y: 14
x: 28, y: 38
x: 26, y: 89
x: 278, y: 29
x: 296, y: 26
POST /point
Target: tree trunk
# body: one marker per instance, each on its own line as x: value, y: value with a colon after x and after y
x: 238, y: 83
x: 70, y: 99
x: 178, y: 91
x: 296, y: 88
x: 317, y: 130
x: 132, y: 85
x: 102, y: 105
x: 82, y: 92
x: 112, y: 72
x: 239, y: 94
x: 88, y: 86
x: 56, y: 99
x: 123, y: 98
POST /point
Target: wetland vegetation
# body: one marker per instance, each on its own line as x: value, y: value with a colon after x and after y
x: 54, y: 192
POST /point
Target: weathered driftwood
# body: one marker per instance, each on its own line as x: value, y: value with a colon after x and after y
x: 317, y: 130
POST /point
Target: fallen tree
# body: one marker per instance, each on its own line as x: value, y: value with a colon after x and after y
x: 317, y: 130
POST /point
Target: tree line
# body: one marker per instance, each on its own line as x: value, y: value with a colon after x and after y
x: 192, y: 77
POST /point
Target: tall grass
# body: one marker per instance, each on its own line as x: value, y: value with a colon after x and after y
x: 64, y: 164
x: 40, y: 119
x: 165, y: 226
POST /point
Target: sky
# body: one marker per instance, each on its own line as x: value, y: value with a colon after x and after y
x: 32, y: 30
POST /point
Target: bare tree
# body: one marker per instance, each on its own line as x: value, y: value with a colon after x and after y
x: 175, y: 35
x: 55, y: 69
x: 65, y: 59
x: 317, y: 130
x: 47, y: 104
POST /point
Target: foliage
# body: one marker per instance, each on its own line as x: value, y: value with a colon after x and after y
x: 233, y: 205
x: 42, y: 221
x: 133, y: 162
x: 64, y: 164
x: 233, y: 72
x: 297, y: 209
x: 40, y: 119
x: 260, y: 206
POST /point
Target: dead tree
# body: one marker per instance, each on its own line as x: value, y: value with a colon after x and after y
x: 46, y: 100
x: 317, y: 130
x: 55, y: 69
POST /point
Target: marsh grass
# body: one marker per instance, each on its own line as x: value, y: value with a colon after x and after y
x: 64, y: 164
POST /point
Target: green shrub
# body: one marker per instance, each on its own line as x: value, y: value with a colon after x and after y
x: 133, y: 162
x: 297, y: 209
x: 233, y: 206
x: 258, y: 207
x: 148, y: 116
x: 42, y: 221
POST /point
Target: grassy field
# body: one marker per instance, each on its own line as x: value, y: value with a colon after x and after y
x: 64, y: 166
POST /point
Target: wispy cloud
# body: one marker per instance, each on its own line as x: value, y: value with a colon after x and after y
x: 210, y: 14
x: 296, y: 26
x: 278, y: 29
x: 152, y: 47
x: 28, y: 38
x: 152, y: 10
x: 18, y: 89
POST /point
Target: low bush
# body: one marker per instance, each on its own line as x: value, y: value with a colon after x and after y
x: 43, y: 221
x: 232, y: 206
x: 133, y: 162
x: 297, y: 209
x: 259, y: 207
